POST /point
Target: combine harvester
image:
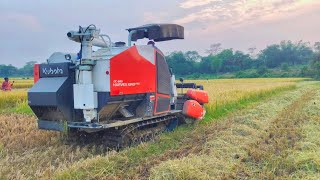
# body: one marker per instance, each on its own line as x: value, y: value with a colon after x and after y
x: 124, y: 93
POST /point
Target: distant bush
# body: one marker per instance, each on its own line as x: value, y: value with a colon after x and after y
x: 285, y: 66
x: 247, y: 74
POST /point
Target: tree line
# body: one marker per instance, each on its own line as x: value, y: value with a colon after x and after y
x: 285, y: 59
x: 12, y: 71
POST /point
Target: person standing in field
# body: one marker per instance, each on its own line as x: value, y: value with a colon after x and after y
x: 6, y: 85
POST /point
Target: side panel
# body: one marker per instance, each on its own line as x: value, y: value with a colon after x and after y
x: 101, y: 76
x: 163, y: 104
x: 131, y: 73
x: 163, y: 75
x: 163, y: 85
x: 45, y: 91
x: 84, y: 96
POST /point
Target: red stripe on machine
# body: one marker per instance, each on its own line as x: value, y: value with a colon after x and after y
x: 36, y: 72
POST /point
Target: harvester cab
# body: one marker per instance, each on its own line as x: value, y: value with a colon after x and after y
x: 119, y: 90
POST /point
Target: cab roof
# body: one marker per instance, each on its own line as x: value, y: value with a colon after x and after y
x: 157, y: 32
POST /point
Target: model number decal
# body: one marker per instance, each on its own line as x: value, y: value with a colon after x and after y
x: 120, y: 83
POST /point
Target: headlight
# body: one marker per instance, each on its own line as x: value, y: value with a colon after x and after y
x: 67, y: 57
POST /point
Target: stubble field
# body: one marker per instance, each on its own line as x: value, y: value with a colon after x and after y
x: 254, y: 128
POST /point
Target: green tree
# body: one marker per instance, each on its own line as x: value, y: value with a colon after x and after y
x: 285, y: 66
x: 315, y: 66
x: 210, y: 65
x: 304, y: 72
x: 262, y: 70
x: 216, y: 64
x: 180, y: 64
x: 286, y: 52
x: 226, y: 59
x: 243, y: 61
x: 27, y: 70
x: 8, y: 70
x: 192, y: 56
x: 271, y: 56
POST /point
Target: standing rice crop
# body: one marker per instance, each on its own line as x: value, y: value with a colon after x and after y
x: 14, y: 101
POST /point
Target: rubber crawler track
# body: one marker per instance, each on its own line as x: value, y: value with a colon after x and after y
x: 125, y: 136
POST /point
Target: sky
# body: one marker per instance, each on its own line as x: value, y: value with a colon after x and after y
x: 31, y: 30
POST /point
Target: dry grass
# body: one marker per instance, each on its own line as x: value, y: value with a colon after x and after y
x: 14, y: 101
x: 224, y: 91
x: 22, y: 83
x: 304, y: 158
x: 276, y: 140
x: 227, y: 147
x: 225, y: 94
x: 27, y: 152
x: 10, y: 99
x: 269, y: 154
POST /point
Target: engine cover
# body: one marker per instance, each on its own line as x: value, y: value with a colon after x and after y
x: 133, y: 73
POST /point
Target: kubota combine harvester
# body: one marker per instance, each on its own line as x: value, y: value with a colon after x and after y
x: 125, y: 93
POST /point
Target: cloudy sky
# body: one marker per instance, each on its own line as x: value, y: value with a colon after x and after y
x: 34, y: 29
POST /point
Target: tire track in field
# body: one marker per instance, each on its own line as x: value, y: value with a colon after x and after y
x: 223, y: 143
x: 266, y: 157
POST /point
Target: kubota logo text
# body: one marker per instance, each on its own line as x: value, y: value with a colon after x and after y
x: 51, y: 71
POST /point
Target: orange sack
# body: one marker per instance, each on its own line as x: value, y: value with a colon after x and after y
x: 198, y: 95
x: 193, y: 109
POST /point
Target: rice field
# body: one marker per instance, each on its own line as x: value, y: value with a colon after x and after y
x: 14, y: 101
x: 26, y: 152
x: 22, y: 83
x: 225, y: 93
